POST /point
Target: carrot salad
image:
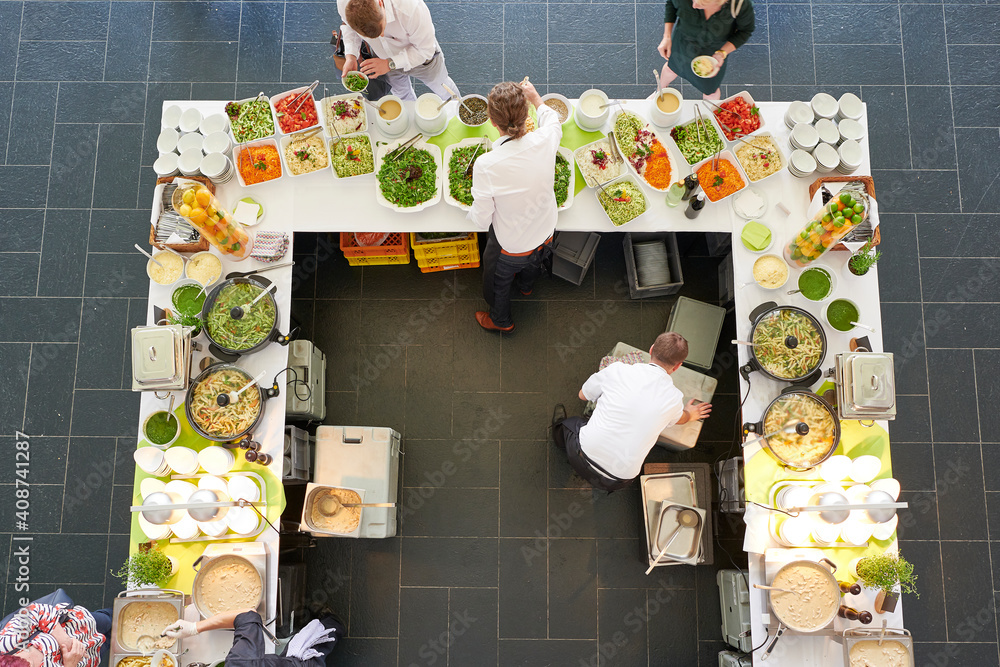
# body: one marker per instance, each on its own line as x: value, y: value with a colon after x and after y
x: 259, y: 164
x: 657, y: 171
x: 719, y: 183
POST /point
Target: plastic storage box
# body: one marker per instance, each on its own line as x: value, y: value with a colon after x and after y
x: 306, y: 403
x: 673, y: 254
x: 456, y: 253
x: 395, y: 244
x: 362, y: 457
x: 572, y: 254
x: 298, y: 455
x: 731, y: 659
x: 732, y: 498
x: 735, y: 601
x: 700, y: 323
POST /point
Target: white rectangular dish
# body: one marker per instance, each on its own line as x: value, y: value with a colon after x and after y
x: 438, y: 176
x: 448, y: 152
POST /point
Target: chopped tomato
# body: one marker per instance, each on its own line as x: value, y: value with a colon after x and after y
x: 303, y: 116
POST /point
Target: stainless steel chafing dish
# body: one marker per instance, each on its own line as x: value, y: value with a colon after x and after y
x: 866, y: 385
x: 161, y: 357
x: 172, y: 597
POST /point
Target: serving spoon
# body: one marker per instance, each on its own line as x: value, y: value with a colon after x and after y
x: 137, y: 247
x: 237, y: 312
x: 225, y: 399
x: 775, y: 588
x: 864, y: 326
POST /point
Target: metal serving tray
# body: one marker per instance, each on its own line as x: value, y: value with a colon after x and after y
x: 173, y: 597
x: 678, y: 488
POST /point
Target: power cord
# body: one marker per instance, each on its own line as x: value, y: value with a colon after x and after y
x: 294, y: 382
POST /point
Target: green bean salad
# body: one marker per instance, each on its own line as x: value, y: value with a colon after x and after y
x: 693, y: 148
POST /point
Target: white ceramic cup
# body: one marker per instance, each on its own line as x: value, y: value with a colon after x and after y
x: 585, y: 120
x: 429, y: 118
x: 395, y: 126
x: 663, y: 118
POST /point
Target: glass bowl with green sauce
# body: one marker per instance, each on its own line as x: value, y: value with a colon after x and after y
x: 188, y: 297
x: 841, y: 312
x: 161, y: 429
x: 817, y: 283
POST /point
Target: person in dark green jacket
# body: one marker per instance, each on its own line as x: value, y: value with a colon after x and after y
x: 695, y: 28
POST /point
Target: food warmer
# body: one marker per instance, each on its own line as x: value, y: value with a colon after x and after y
x: 170, y: 597
x: 866, y: 385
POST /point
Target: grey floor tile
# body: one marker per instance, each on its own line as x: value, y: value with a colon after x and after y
x: 193, y: 21
x: 50, y: 389
x: 115, y: 275
x: 476, y: 353
x: 118, y: 157
x: 71, y: 183
x: 899, y: 273
x: 10, y: 29
x: 103, y: 328
x: 104, y: 412
x: 122, y: 497
x: 622, y: 632
x: 64, y: 252
x: 61, y: 61
x: 471, y: 64
x: 572, y: 23
x: 973, y: 65
x: 867, y: 64
x: 452, y: 463
x: 449, y: 561
x: 23, y: 187
x: 540, y: 652
x: 423, y: 618
x: 924, y: 51
x: 521, y: 416
x: 406, y: 322
x: 973, y: 107
x: 792, y: 55
x: 525, y: 47
x: 22, y: 229
x: 623, y: 564
x: 932, y: 138
x: 573, y: 589
x: 52, y: 450
x: 953, y: 387
x: 912, y: 420
x: 19, y: 273
x: 972, y: 25
x: 670, y: 608
x: 43, y: 518
x: 474, y: 622
x: 917, y: 191
x: 523, y: 592
x: 988, y: 391
x: 960, y: 491
x: 887, y: 133
x: 931, y: 621
x: 260, y: 55
x: 368, y: 652
x: 958, y: 280
x: 99, y: 102
x: 913, y: 466
x: 979, y: 193
x: 966, y: 566
x: 523, y: 488
x: 468, y: 23
x: 750, y: 65
x: 975, y: 653
x: 382, y: 400
x: 599, y: 64
x: 849, y: 23
x: 86, y: 506
x: 64, y: 20
x: 523, y: 352
x: 33, y: 117
x: 35, y: 320
x: 429, y: 389
x: 129, y: 33
x: 310, y: 21
x: 919, y: 521
x: 961, y: 325
x: 375, y: 606
x: 328, y: 576
x: 48, y: 553
x: 437, y: 516
x: 176, y: 61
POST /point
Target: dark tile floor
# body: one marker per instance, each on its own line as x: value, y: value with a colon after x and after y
x: 83, y: 83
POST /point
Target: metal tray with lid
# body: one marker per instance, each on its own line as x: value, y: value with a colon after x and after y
x: 172, y: 597
x: 668, y: 488
x: 866, y: 385
x: 161, y: 357
x: 854, y: 636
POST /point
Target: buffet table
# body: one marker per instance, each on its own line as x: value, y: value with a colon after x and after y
x: 320, y: 202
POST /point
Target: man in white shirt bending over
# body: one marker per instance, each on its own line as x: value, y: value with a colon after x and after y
x: 401, y: 34
x: 513, y: 197
x: 635, y: 402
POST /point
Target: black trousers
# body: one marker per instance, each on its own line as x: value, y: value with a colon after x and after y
x: 567, y: 436
x: 499, y: 273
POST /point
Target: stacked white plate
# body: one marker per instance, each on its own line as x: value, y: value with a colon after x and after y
x: 217, y: 142
x: 849, y: 106
x: 828, y: 132
x: 801, y: 164
x: 851, y: 130
x: 189, y: 162
x: 850, y: 157
x: 798, y: 112
x: 166, y: 142
x: 803, y: 137
x: 191, y: 141
x: 190, y: 120
x: 652, y: 265
x: 219, y: 169
x: 827, y: 158
x: 217, y: 122
x: 824, y: 105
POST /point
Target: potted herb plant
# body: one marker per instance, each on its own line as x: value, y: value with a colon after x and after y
x: 186, y: 320
x: 147, y: 567
x: 888, y: 573
x: 863, y: 259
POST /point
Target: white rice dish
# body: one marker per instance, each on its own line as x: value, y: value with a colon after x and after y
x: 306, y: 155
x: 591, y: 166
x: 169, y: 269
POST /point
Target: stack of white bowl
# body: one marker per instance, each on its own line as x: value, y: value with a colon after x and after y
x: 803, y: 137
x: 801, y: 163
x: 192, y: 141
x: 166, y: 143
x: 217, y: 167
x: 798, y: 112
x: 824, y: 105
x: 827, y: 158
x: 851, y: 156
x: 851, y: 130
x: 217, y: 122
x: 151, y: 461
x: 849, y: 106
x: 828, y: 132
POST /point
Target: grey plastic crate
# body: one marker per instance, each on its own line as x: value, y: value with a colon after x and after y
x: 572, y: 254
x: 700, y: 323
x: 673, y: 254
x: 297, y: 451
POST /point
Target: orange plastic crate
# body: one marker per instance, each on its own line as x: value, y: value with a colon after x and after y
x: 397, y: 244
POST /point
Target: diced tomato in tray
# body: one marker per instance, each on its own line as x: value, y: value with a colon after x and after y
x: 304, y: 115
x: 737, y: 117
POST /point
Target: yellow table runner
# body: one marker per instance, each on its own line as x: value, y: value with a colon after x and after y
x: 188, y: 552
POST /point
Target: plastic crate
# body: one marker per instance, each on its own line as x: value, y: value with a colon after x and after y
x: 379, y: 261
x: 466, y: 245
x: 572, y: 255
x: 445, y: 266
x: 415, y: 239
x: 298, y: 455
x: 396, y: 244
x: 677, y: 276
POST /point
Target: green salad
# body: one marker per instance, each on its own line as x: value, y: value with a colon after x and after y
x: 355, y: 82
x: 353, y: 156
x: 561, y: 185
x: 409, y: 180
x: 460, y: 185
x: 251, y: 329
x: 697, y: 141
x: 623, y: 201
x: 253, y: 119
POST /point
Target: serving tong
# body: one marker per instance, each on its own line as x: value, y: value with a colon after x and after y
x: 300, y: 98
x: 468, y: 167
x: 398, y: 151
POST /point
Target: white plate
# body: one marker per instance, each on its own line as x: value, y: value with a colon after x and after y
x: 568, y: 154
x: 674, y: 172
x: 439, y: 176
x: 326, y: 118
x: 345, y: 138
x: 448, y: 199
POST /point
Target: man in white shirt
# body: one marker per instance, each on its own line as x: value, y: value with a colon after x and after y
x: 513, y: 197
x: 635, y: 402
x: 401, y: 34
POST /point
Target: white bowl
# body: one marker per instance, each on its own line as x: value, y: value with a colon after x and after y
x: 166, y: 142
x: 214, y: 483
x: 163, y: 257
x: 804, y: 137
x: 181, y: 488
x: 173, y: 417
x: 190, y: 120
x: 799, y: 112
x: 883, y: 531
x: 583, y: 151
x: 242, y: 487
x: 849, y: 106
x: 217, y: 142
x: 216, y: 460
x: 587, y: 121
x: 190, y: 162
x: 166, y: 165
x: 836, y: 468
x: 466, y: 98
x: 889, y: 485
x: 827, y: 158
x: 824, y: 105
x: 749, y: 99
x: 217, y: 167
x: 564, y: 100
x: 243, y: 520
x: 715, y: 66
x: 239, y: 150
x: 777, y: 148
x: 774, y: 287
x: 801, y: 164
x: 214, y: 528
x: 833, y: 282
x: 186, y: 528
x: 724, y: 155
x: 151, y: 485
x: 286, y: 139
x: 197, y: 258
x: 856, y: 534
x: 216, y: 122
x: 392, y: 127
x: 628, y: 176
x: 171, y: 117
x: 367, y: 81
x: 865, y: 468
x: 850, y: 130
x: 192, y: 141
x: 182, y: 460
x: 435, y: 121
x: 658, y: 116
x: 828, y: 131
x: 151, y: 461
x: 305, y: 103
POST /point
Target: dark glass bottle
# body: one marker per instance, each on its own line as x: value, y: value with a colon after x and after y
x: 690, y: 185
x: 695, y: 205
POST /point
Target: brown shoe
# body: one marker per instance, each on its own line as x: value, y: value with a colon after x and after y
x: 486, y: 322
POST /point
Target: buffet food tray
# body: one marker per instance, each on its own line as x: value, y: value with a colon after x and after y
x: 173, y: 597
x: 678, y: 488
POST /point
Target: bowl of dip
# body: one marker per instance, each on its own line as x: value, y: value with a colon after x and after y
x: 395, y: 120
x: 204, y: 267
x: 588, y: 114
x: 841, y: 312
x: 161, y: 429
x: 665, y: 108
x: 558, y: 103
x: 430, y: 119
x: 169, y: 270
x: 770, y: 271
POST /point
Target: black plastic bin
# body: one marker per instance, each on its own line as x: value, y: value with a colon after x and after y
x: 674, y: 259
x: 572, y: 254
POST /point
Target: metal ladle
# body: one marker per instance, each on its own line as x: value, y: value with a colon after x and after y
x: 237, y: 312
x: 137, y: 247
x: 330, y: 505
x: 225, y: 399
x: 685, y: 519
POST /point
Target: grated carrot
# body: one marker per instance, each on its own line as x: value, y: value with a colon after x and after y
x: 657, y: 171
x: 259, y: 163
x: 731, y: 179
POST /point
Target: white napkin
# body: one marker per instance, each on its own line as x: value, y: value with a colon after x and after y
x: 246, y: 213
x: 301, y: 645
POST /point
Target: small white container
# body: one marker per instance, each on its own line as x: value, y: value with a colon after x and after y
x: 855, y: 533
x: 395, y: 126
x: 151, y: 485
x: 173, y: 418
x: 242, y: 487
x: 835, y: 469
x: 160, y: 258
x: 218, y: 168
x: 151, y: 530
x: 803, y: 137
x: 217, y: 122
x: 865, y: 468
x: 196, y: 258
x: 825, y: 533
x: 801, y: 164
x: 286, y: 139
x: 584, y: 118
x: 304, y: 104
x: 189, y: 162
x: 661, y: 118
x: 724, y: 155
x: 431, y: 120
x: 795, y: 531
x: 564, y: 100
x: 214, y: 483
x: 465, y: 99
x: 171, y: 117
x: 850, y: 130
x: 151, y: 461
x: 217, y: 142
x: 238, y: 151
x: 182, y: 460
x: 216, y: 460
x: 166, y: 165
x: 166, y: 142
x: 190, y: 121
x: 851, y: 157
x: 827, y: 158
x: 748, y: 98
x: 798, y: 112
x: 849, y: 106
x: 828, y: 131
x: 824, y: 105
x: 192, y: 141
